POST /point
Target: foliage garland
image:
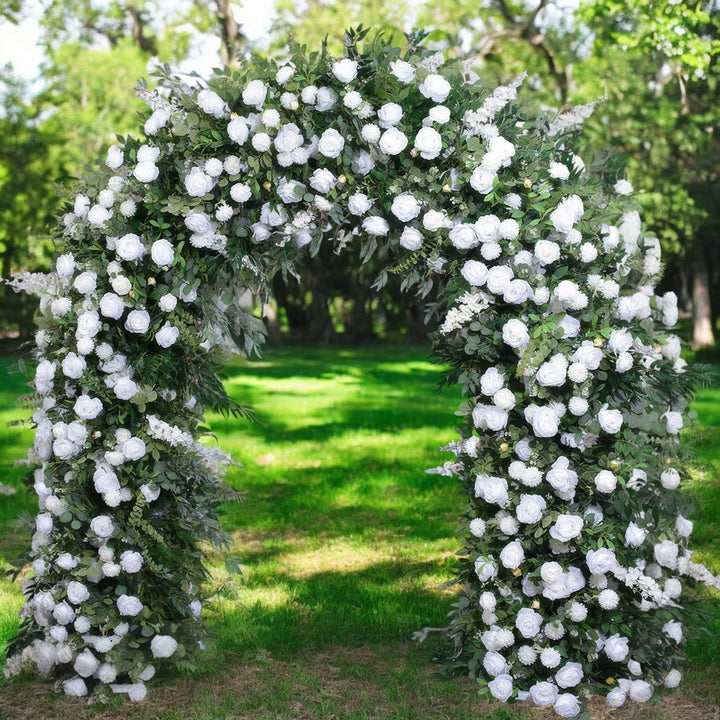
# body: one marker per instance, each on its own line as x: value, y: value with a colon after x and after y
x: 543, y: 277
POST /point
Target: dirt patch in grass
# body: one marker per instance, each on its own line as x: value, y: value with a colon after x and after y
x: 385, y: 683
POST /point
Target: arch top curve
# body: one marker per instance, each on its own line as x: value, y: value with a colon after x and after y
x: 543, y: 278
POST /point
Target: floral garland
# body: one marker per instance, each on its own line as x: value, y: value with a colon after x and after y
x: 569, y: 452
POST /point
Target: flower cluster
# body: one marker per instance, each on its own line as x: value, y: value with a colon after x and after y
x: 545, y: 276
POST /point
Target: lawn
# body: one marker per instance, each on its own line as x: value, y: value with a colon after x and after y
x: 345, y: 543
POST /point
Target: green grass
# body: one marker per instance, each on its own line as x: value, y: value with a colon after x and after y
x: 345, y: 542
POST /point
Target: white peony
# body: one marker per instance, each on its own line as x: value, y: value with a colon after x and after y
x: 211, y: 103
x: 640, y: 691
x: 546, y: 422
x: 322, y: 180
x: 600, y: 561
x: 474, y: 272
x: 666, y: 553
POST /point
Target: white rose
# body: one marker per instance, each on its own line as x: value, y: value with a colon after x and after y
x: 553, y: 372
x: 567, y: 705
x: 86, y: 282
x: 73, y: 367
x: 489, y: 417
x: 673, y: 630
x: 167, y: 302
x: 322, y: 180
x: 428, y: 143
x: 528, y: 622
x: 616, y: 697
x: 501, y: 687
x: 640, y: 691
x: 568, y: 212
x: 77, y: 593
x: 487, y: 228
x: 325, y: 99
x: 578, y: 406
x: 624, y: 362
x: 405, y: 207
x: 393, y: 141
x: 133, y: 449
x: 670, y: 479
x: 88, y: 324
x: 129, y: 247
x: 544, y: 693
x: 482, y: 180
x: 167, y: 335
x: 491, y: 381
x: 331, y: 143
x: 129, y: 605
x: 512, y: 555
x: 515, y: 334
x: 63, y: 613
x: 162, y: 253
x: 485, y: 568
x: 389, y: 114
x: 411, y: 239
x: 547, y: 252
x: 111, y: 306
x: 88, y: 408
x: 605, y: 481
x: 291, y: 191
x: 121, y: 285
x: 673, y: 422
x: 197, y: 183
x: 474, y: 272
x: 375, y: 225
x: 494, y: 664
x: 240, y: 192
x: 530, y: 509
x: 566, y: 528
x: 163, y: 646
x: 600, y: 561
x: 463, y: 237
x: 98, y: 215
x: 610, y: 420
x: 402, y: 70
x: 666, y: 553
x: 359, y: 204
x: 115, y: 157
x: 102, y: 526
x: 131, y: 561
x: 504, y: 399
x: 635, y: 535
x: 435, y: 87
x: 238, y: 130
x: 672, y: 679
x: 546, y: 422
x: 105, y: 481
x: 146, y: 171
x: 345, y: 70
x: 137, y: 321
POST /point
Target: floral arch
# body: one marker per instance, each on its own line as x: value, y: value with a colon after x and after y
x: 575, y: 541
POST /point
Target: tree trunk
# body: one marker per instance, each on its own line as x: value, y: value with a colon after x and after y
x: 229, y: 33
x: 271, y: 321
x: 702, y: 311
